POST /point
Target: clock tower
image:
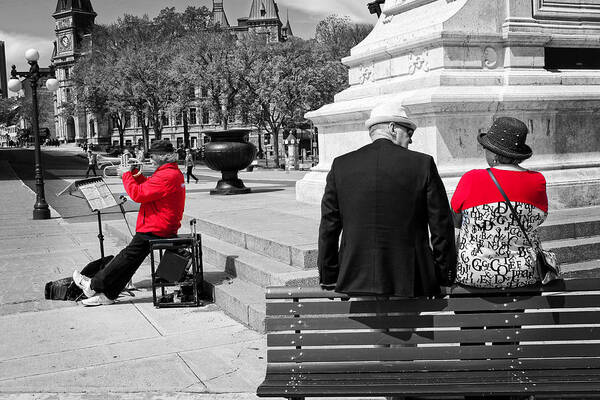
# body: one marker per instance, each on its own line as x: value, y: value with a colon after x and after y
x: 73, y: 28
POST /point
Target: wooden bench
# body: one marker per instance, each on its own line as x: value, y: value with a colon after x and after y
x: 528, y: 341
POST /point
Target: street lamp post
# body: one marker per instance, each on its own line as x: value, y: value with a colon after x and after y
x: 40, y: 209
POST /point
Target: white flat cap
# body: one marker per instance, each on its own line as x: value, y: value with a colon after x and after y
x: 389, y: 112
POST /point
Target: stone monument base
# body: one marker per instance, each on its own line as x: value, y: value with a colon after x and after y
x: 456, y: 65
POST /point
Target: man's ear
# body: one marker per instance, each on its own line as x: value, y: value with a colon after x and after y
x: 391, y: 127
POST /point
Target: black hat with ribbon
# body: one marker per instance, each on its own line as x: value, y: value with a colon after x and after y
x: 506, y: 137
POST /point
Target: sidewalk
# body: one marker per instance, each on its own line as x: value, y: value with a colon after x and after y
x: 59, y: 350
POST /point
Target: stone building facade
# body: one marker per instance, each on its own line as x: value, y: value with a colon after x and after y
x: 74, y: 22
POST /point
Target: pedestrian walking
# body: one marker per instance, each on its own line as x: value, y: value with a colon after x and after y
x: 92, y: 163
x: 189, y: 164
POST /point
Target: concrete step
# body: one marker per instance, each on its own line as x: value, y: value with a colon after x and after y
x: 243, y: 301
x: 581, y: 270
x: 570, y: 251
x: 252, y: 267
x: 571, y: 224
x: 287, y: 238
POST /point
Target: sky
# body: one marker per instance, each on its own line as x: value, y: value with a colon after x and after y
x: 28, y: 23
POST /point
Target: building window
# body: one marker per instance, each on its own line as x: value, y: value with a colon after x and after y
x: 204, y: 92
x: 164, y: 119
x: 115, y: 142
x: 68, y: 95
x: 179, y: 119
x: 179, y: 142
x: 205, y: 117
x: 193, y: 119
x: 193, y: 142
x: 192, y: 92
x: 128, y: 143
x: 67, y: 73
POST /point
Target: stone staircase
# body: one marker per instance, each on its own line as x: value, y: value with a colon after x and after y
x: 574, y: 235
x: 241, y: 260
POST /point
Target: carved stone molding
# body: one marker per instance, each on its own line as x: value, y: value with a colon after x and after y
x: 387, y: 18
x: 490, y: 58
x: 366, y: 73
x: 399, y: 6
x: 581, y: 10
x: 418, y: 62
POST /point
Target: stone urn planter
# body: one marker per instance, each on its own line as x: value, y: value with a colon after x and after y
x: 229, y: 152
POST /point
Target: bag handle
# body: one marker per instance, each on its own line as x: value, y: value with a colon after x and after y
x: 512, y: 209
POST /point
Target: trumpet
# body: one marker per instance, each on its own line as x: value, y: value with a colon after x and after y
x: 127, y: 161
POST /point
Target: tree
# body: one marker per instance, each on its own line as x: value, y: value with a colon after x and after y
x: 9, y: 110
x: 213, y: 61
x: 21, y: 109
x: 285, y: 80
x: 339, y: 35
x: 130, y: 68
x: 144, y: 62
x: 177, y: 26
x: 174, y: 25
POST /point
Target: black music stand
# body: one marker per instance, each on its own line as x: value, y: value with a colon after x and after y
x: 98, y: 196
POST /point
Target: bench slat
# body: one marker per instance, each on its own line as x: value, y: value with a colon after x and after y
x: 427, y: 305
x: 435, y: 353
x: 581, y: 387
x: 426, y: 337
x: 445, y: 376
x: 557, y: 286
x: 432, y: 366
x: 432, y: 321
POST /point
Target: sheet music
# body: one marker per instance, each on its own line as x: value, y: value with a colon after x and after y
x: 97, y: 193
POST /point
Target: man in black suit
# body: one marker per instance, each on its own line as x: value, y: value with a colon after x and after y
x: 383, y: 198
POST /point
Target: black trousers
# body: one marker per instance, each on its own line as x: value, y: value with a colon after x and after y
x: 113, y: 278
x: 190, y: 173
x: 91, y: 167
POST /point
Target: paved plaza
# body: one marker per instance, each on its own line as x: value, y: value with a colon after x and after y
x: 131, y: 350
x: 59, y: 350
x: 55, y: 350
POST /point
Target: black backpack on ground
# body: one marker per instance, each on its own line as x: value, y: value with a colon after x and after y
x: 65, y: 289
x: 62, y: 289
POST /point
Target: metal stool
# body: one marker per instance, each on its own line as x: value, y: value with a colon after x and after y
x: 174, y: 271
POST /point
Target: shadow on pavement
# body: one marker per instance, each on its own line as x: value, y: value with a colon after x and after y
x: 265, y: 190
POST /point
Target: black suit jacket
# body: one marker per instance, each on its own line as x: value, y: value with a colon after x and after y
x: 383, y: 198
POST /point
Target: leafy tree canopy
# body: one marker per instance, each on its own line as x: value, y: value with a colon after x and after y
x: 152, y: 66
x: 339, y: 35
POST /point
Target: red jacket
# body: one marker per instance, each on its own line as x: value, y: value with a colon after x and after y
x: 162, y: 198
